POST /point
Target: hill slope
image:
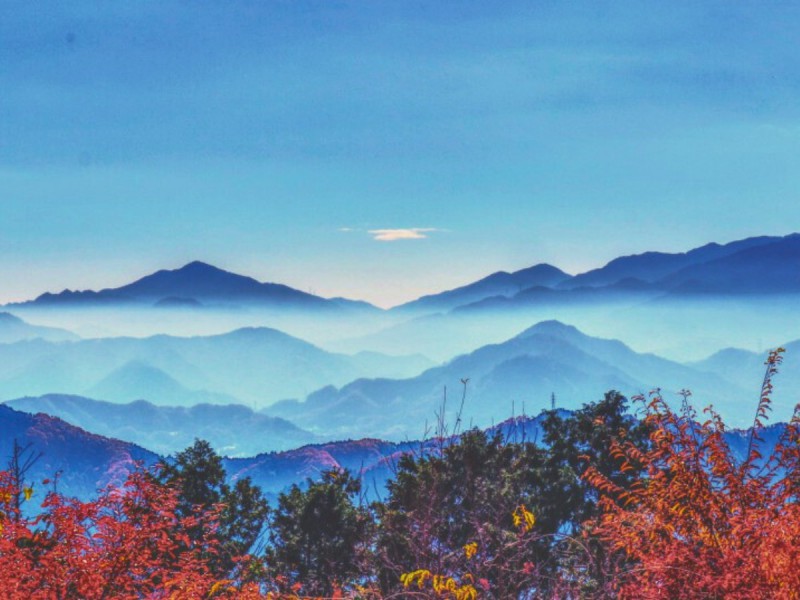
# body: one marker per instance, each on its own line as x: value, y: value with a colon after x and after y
x: 233, y: 430
x: 80, y: 462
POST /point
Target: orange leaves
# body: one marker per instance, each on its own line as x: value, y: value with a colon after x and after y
x: 122, y: 545
x: 699, y: 524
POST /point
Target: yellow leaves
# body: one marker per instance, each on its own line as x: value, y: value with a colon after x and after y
x: 443, y: 586
x: 27, y: 492
x: 470, y: 550
x: 419, y: 576
x: 523, y: 518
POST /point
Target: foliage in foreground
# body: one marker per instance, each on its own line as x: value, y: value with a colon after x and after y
x: 698, y: 523
x: 607, y: 507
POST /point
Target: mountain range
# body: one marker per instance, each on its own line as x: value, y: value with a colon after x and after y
x: 231, y: 429
x: 195, y: 285
x: 257, y: 388
x: 79, y: 463
x: 520, y: 373
x: 252, y: 365
x: 757, y: 265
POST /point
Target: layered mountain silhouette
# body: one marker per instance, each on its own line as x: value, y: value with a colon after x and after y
x: 252, y: 365
x: 232, y: 430
x: 651, y: 267
x: 768, y: 268
x: 195, y: 285
x: 520, y: 373
x: 79, y: 463
x: 497, y: 284
x: 746, y: 369
x: 760, y: 265
x: 13, y: 329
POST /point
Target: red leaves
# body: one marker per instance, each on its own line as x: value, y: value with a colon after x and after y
x: 699, y: 525
x: 126, y: 544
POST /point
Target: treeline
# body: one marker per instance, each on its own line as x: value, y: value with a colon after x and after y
x: 603, y: 506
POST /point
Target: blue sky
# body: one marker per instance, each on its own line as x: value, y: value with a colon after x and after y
x: 288, y: 139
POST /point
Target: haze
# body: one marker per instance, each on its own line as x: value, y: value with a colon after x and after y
x: 383, y: 150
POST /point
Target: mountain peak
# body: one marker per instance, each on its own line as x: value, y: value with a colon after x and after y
x: 200, y: 266
x: 551, y: 327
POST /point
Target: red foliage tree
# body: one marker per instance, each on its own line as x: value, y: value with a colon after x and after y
x: 699, y: 523
x: 128, y: 543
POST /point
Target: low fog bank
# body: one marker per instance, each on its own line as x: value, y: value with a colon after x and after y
x: 685, y: 330
x: 137, y: 321
x: 383, y: 374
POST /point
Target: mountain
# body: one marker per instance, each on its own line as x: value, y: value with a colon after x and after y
x: 746, y: 370
x: 742, y: 270
x: 767, y: 268
x: 13, y: 329
x: 654, y: 266
x: 79, y: 462
x: 195, y: 285
x: 520, y: 373
x: 626, y: 291
x: 137, y: 379
x: 82, y: 462
x: 501, y: 284
x: 232, y: 430
x: 374, y: 461
x: 252, y: 365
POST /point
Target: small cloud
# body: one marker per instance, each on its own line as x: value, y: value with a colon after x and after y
x: 347, y: 229
x: 393, y: 235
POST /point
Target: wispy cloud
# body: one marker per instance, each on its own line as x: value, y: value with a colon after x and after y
x: 393, y: 235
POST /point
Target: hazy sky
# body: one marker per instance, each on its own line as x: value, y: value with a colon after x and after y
x: 381, y: 150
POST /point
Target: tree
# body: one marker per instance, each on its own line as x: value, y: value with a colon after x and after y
x: 199, y: 477
x: 457, y: 513
x: 580, y: 440
x: 319, y: 536
x: 129, y: 543
x: 697, y: 523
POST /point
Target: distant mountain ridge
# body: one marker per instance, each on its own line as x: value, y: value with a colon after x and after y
x: 549, y: 357
x: 232, y: 430
x: 766, y: 264
x: 763, y: 265
x: 497, y: 284
x: 254, y: 365
x: 83, y: 462
x: 13, y: 329
x: 653, y: 266
x: 197, y: 284
x: 760, y: 266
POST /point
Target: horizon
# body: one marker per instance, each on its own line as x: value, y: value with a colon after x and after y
x: 384, y: 151
x: 127, y: 279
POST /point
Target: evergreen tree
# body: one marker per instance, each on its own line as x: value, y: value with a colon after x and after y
x: 319, y: 535
x: 199, y: 477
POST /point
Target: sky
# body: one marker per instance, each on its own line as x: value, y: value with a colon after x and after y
x: 382, y: 150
